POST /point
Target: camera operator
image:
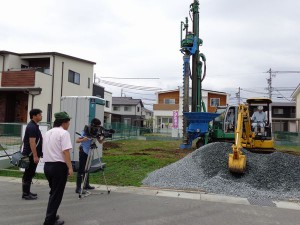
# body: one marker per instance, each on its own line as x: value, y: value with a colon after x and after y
x: 85, y: 140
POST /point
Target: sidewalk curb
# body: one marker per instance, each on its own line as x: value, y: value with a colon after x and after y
x: 194, y: 195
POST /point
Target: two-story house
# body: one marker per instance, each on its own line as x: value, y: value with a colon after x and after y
x: 169, y: 106
x: 100, y: 91
x: 284, y: 116
x: 128, y: 111
x: 39, y: 80
x: 296, y: 98
x: 148, y: 117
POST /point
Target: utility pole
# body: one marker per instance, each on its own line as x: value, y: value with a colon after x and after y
x: 273, y: 74
x: 238, y: 95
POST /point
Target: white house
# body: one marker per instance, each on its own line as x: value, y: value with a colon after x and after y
x: 296, y: 97
x: 38, y: 80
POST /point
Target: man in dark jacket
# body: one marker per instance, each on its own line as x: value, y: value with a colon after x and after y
x: 32, y: 146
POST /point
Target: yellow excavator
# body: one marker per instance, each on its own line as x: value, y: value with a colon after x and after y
x: 252, y: 133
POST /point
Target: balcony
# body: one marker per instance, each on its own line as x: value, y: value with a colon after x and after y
x: 166, y: 107
x: 18, y: 78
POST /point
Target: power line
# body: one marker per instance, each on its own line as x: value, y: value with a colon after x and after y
x: 125, y: 91
x: 128, y: 86
x: 133, y: 78
x: 273, y: 74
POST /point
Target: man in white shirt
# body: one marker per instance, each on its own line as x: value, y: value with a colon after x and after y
x: 56, y: 151
x: 259, y: 119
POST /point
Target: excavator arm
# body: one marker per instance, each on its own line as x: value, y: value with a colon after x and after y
x: 237, y: 161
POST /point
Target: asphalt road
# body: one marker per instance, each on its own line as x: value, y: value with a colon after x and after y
x: 121, y: 208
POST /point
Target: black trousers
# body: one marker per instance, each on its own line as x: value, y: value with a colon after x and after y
x: 28, y: 176
x: 56, y: 174
x: 82, y: 161
x: 81, y: 170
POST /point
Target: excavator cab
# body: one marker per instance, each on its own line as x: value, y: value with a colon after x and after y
x: 248, y: 136
x: 261, y: 129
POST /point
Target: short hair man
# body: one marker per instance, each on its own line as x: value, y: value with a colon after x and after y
x: 56, y: 149
x: 259, y: 119
x: 32, y: 147
x: 84, y: 149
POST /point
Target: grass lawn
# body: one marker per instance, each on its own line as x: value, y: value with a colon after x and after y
x: 129, y: 161
x: 295, y: 150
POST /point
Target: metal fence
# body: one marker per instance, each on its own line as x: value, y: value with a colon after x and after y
x: 10, y: 134
x: 287, y: 138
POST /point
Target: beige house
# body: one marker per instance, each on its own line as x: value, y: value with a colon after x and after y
x: 296, y: 97
x: 38, y: 80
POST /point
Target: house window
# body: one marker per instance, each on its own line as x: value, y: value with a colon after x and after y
x: 107, y: 104
x: 74, y: 77
x: 138, y: 109
x: 293, y: 110
x: 89, y: 83
x: 169, y: 101
x: 127, y: 121
x: 214, y: 102
x: 166, y: 122
x: 116, y: 108
x: 278, y: 111
x: 49, y: 112
x: 127, y: 108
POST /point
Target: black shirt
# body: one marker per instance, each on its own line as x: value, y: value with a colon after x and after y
x: 32, y: 131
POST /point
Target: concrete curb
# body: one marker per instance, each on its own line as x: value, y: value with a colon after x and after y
x: 195, y: 195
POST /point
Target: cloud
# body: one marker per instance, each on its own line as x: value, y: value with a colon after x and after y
x: 242, y: 39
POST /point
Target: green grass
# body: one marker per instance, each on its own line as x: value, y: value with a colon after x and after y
x: 295, y: 150
x: 127, y: 161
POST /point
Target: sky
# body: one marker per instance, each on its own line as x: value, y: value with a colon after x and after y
x: 140, y: 39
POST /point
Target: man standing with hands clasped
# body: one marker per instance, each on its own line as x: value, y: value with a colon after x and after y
x: 56, y: 149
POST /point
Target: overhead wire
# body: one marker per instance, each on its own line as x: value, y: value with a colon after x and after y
x: 129, y: 86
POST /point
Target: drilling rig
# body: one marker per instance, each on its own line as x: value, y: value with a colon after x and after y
x: 196, y: 122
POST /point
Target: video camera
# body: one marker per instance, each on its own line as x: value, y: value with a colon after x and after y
x: 98, y: 131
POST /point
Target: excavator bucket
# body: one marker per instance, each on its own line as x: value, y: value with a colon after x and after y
x: 237, y: 164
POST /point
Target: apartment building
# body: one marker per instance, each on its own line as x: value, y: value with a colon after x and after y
x: 38, y: 80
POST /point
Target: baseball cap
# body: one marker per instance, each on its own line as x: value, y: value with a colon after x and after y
x: 61, y: 115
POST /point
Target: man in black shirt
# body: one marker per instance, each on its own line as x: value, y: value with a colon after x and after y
x: 32, y: 146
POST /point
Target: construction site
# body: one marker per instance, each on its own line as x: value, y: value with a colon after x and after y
x: 228, y: 166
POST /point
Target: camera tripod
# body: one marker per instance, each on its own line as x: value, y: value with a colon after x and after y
x: 92, y: 168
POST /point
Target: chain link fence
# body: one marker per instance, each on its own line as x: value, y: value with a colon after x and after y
x: 10, y: 134
x: 287, y: 138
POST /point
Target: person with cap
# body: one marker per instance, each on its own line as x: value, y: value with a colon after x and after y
x: 32, y: 147
x: 56, y: 150
x: 259, y: 119
x: 84, y: 149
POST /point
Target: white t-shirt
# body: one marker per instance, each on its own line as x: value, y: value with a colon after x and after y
x: 55, y: 142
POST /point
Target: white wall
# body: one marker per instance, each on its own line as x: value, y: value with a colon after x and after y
x: 13, y: 62
x: 133, y: 110
x: 108, y: 97
x: 70, y: 89
x: 41, y: 101
x: 298, y: 106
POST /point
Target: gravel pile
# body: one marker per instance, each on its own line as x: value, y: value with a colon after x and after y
x: 273, y: 176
